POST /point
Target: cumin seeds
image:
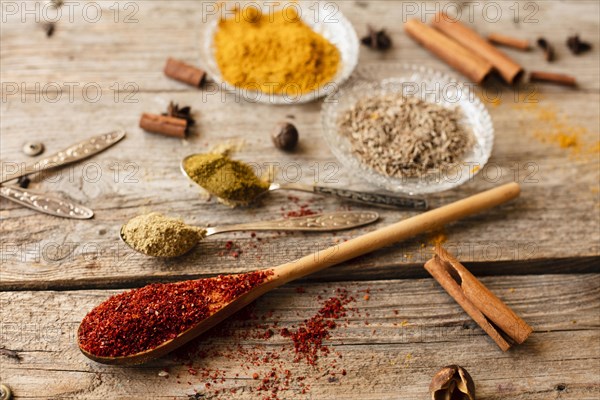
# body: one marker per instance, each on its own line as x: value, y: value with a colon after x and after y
x: 405, y: 137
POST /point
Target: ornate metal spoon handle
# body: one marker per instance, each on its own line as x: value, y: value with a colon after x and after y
x: 370, y: 198
x: 319, y: 223
x: 71, y: 154
x: 45, y: 204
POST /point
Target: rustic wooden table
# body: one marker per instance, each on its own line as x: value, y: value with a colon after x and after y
x: 102, y: 68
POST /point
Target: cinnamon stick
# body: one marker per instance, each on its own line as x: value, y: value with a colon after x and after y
x: 552, y: 77
x: 509, y: 41
x: 490, y: 313
x: 457, y: 56
x: 165, y: 125
x: 509, y: 69
x: 183, y: 72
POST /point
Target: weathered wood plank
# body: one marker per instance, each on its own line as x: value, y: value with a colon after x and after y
x: 141, y: 174
x: 554, y: 227
x: 406, y: 341
x: 555, y: 218
x: 138, y: 38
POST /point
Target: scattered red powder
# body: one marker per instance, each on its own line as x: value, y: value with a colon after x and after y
x: 232, y: 249
x: 261, y: 360
x: 159, y: 312
x: 303, y: 210
x: 308, y: 338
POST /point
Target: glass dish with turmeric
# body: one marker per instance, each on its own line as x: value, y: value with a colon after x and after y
x: 291, y: 54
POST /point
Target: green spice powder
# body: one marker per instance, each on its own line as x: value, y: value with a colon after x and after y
x: 159, y: 236
x: 231, y: 180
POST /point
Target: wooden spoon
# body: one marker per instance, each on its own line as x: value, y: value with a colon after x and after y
x: 325, y: 258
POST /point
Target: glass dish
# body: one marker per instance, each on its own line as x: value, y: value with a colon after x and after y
x: 429, y: 85
x: 324, y: 18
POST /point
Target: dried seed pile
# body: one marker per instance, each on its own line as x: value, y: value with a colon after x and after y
x: 405, y: 136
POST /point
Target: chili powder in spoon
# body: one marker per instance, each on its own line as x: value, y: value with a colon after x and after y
x: 143, y: 319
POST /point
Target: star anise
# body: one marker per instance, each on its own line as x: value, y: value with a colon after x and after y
x: 173, y: 110
x: 577, y: 46
x: 377, y: 39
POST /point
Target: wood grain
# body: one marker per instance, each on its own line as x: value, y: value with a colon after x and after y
x: 554, y: 227
x: 141, y: 174
x: 406, y: 341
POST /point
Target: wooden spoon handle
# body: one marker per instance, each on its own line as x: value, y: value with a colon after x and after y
x: 424, y: 222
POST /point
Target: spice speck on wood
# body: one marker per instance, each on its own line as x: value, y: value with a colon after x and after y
x: 377, y: 39
x: 49, y: 28
x: 548, y: 49
x: 578, y: 46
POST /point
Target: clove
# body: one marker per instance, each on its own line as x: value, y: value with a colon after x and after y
x: 49, y: 28
x: 548, y: 49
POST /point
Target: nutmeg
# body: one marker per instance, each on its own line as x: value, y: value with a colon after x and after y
x: 285, y: 136
x: 452, y: 383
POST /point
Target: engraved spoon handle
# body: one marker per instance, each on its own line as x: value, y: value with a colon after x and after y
x: 316, y: 223
x: 370, y: 198
x: 71, y: 154
x: 45, y: 204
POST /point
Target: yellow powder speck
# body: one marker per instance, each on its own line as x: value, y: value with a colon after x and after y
x: 437, y: 238
x: 566, y: 140
x: 553, y: 127
x: 494, y: 102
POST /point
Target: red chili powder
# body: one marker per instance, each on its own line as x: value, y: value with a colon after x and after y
x: 142, y: 319
x: 260, y: 359
x: 308, y: 338
x: 303, y: 211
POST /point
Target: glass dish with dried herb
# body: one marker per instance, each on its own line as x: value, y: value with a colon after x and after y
x: 408, y: 129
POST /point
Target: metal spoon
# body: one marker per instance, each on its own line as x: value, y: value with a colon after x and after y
x: 76, y: 152
x: 370, y: 198
x: 45, y: 203
x: 327, y: 222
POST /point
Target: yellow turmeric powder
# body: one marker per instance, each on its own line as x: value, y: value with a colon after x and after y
x: 273, y: 53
